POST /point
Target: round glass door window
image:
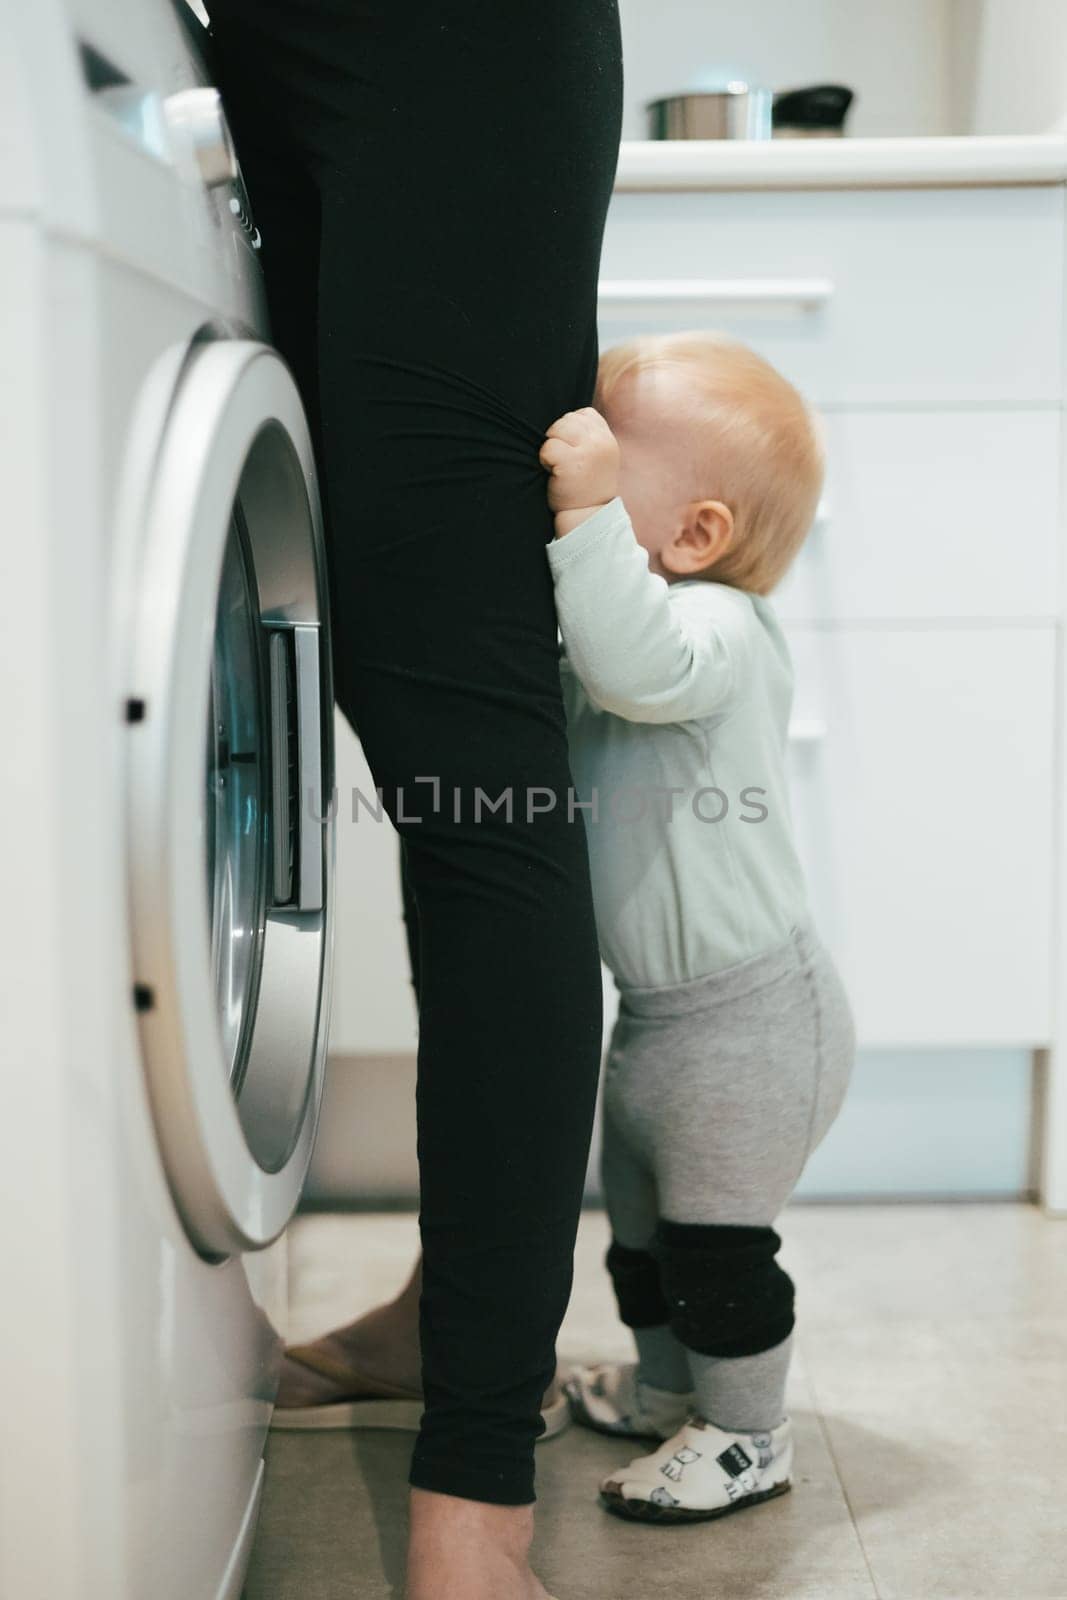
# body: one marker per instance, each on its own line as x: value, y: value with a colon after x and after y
x: 237, y: 802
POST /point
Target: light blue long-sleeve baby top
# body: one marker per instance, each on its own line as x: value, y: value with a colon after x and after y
x: 678, y: 699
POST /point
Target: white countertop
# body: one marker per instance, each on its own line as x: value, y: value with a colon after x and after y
x: 840, y: 163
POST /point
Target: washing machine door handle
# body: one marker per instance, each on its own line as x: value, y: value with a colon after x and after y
x: 298, y: 789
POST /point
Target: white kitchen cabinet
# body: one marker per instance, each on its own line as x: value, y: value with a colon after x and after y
x: 893, y: 297
x: 930, y: 515
x: 923, y: 808
x: 914, y: 290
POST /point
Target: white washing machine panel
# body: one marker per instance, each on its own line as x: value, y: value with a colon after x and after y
x: 230, y: 829
x: 165, y: 676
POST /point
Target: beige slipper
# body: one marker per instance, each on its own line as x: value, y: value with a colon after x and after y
x: 368, y: 1403
x: 362, y: 1402
x: 557, y: 1418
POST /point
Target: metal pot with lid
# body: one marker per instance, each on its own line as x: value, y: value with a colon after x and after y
x: 737, y: 111
x: 742, y: 111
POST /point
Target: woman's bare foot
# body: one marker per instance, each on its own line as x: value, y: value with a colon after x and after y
x: 381, y: 1348
x: 466, y: 1550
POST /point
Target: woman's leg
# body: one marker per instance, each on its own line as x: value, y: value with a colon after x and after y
x: 460, y: 153
x: 381, y: 1347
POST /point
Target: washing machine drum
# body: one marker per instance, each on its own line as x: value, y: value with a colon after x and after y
x: 230, y: 821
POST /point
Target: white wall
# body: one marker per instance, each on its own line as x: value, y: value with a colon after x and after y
x: 373, y: 1010
x: 894, y: 53
x: 919, y: 66
x: 1010, y: 65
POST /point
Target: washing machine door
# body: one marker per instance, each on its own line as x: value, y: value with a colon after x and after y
x: 230, y: 825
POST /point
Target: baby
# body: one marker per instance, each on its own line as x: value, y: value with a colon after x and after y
x: 679, y: 504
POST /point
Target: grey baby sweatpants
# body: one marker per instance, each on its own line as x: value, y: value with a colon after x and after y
x: 715, y: 1094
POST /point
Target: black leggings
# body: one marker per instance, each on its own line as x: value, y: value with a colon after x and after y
x: 430, y: 178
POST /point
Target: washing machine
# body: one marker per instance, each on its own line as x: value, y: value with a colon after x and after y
x: 164, y: 805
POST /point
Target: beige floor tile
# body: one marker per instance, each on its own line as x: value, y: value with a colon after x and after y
x: 945, y: 1516
x: 334, y: 1514
x: 924, y: 1263
x: 929, y: 1396
x: 333, y: 1526
x: 802, y: 1547
x: 334, y: 1518
x: 935, y: 1341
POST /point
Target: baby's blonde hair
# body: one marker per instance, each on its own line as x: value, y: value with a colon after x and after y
x: 761, y: 451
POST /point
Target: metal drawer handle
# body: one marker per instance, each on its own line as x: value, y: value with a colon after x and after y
x: 806, y: 294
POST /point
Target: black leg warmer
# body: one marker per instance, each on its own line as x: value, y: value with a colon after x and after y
x: 727, y: 1295
x: 635, y: 1276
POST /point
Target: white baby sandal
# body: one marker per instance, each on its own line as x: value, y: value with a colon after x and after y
x: 611, y: 1398
x: 701, y: 1473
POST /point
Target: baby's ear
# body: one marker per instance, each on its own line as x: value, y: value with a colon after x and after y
x: 703, y: 535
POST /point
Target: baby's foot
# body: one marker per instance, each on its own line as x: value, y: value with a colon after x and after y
x: 613, y: 1399
x: 701, y: 1473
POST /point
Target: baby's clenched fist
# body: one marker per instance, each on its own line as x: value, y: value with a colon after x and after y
x: 581, y: 455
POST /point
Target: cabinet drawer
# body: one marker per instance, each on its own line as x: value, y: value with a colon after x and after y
x: 933, y: 515
x: 923, y: 797
x: 898, y: 297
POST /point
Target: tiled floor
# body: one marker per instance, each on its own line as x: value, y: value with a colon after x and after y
x: 930, y: 1399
